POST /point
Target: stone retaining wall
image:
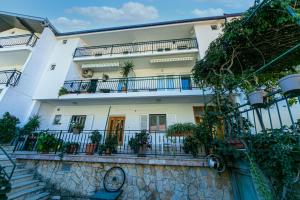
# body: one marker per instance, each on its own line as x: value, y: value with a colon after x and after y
x: 143, y: 181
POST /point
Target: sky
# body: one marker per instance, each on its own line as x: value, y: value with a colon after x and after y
x: 72, y: 15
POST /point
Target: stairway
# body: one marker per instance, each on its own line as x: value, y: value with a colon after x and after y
x: 24, y: 185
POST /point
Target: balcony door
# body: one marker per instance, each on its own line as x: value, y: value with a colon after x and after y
x: 186, y: 83
x: 116, y: 127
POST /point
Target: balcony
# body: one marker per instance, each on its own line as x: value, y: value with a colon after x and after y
x: 18, y: 40
x: 9, y: 77
x: 162, y: 47
x: 132, y: 85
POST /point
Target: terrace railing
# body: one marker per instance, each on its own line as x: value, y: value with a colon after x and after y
x: 160, y: 144
x: 138, y: 47
x: 9, y: 77
x: 277, y: 113
x: 18, y: 40
x: 135, y: 84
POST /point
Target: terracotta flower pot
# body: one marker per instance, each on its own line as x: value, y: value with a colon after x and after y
x: 90, y: 149
x: 72, y: 149
x: 108, y: 152
x: 142, y: 150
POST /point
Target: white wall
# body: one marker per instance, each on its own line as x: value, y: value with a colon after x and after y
x: 52, y: 80
x: 205, y: 35
x: 97, y: 114
x: 13, y: 32
x: 18, y: 100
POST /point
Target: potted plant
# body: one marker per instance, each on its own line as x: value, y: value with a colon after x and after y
x: 257, y: 98
x: 62, y: 91
x: 71, y: 147
x: 95, y: 139
x: 290, y: 84
x: 126, y: 69
x: 77, y: 127
x: 181, y: 129
x: 46, y: 143
x: 140, y: 143
x: 110, y: 145
x: 105, y: 77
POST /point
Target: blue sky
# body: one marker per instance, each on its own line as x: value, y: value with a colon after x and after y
x: 70, y: 15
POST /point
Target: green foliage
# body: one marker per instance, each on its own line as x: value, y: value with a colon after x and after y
x: 8, y: 127
x: 247, y: 45
x: 139, y: 140
x: 78, y: 126
x: 127, y: 68
x: 32, y: 125
x: 62, y: 91
x: 71, y: 147
x: 277, y: 153
x: 5, y: 186
x: 181, y: 129
x: 47, y: 142
x: 96, y: 137
x: 111, y: 144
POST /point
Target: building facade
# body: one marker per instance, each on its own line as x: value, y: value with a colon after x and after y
x: 69, y: 78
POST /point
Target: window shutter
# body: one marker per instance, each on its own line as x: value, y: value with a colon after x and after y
x: 89, y: 122
x: 171, y: 119
x: 65, y: 122
x: 144, y: 122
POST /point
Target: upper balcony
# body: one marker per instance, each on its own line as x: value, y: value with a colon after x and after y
x: 138, y: 49
x: 9, y: 77
x: 27, y: 40
x: 152, y: 86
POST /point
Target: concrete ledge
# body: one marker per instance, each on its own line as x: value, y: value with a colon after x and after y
x: 115, y: 159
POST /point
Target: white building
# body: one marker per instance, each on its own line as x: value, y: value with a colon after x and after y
x: 159, y: 92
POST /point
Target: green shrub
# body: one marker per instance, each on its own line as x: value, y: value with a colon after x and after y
x: 111, y: 144
x: 5, y: 185
x: 62, y: 91
x: 139, y: 140
x: 46, y: 143
x: 32, y: 125
x: 96, y: 137
x: 181, y: 129
x: 8, y: 127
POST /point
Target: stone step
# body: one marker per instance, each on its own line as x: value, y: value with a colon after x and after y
x: 21, y: 178
x: 40, y: 196
x: 25, y: 193
x: 24, y: 185
x: 21, y: 171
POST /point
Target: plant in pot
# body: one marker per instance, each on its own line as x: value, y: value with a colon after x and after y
x: 95, y: 139
x: 77, y: 127
x: 46, y: 143
x: 126, y: 70
x: 140, y: 143
x: 181, y: 129
x: 290, y: 85
x: 110, y: 145
x: 62, y: 91
x: 105, y: 77
x: 71, y: 147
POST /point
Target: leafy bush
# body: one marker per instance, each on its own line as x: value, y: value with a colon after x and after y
x: 62, y: 91
x: 96, y: 137
x: 139, y: 140
x: 5, y: 185
x: 110, y: 145
x: 8, y: 127
x: 32, y: 125
x: 181, y: 129
x: 46, y: 143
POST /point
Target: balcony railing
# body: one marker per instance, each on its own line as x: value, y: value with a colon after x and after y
x: 18, y: 40
x: 9, y: 77
x: 160, y: 144
x: 136, y: 84
x: 138, y: 47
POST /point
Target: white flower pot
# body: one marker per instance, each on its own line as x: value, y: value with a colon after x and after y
x: 257, y: 97
x: 290, y: 83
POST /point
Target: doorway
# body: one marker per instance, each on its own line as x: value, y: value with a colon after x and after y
x: 116, y: 127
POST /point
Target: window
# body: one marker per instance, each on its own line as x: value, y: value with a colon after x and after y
x: 77, y: 119
x: 157, y: 122
x: 56, y: 120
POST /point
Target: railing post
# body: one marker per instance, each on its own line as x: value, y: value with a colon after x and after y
x: 155, y: 144
x: 10, y: 78
x: 58, y: 142
x: 29, y: 40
